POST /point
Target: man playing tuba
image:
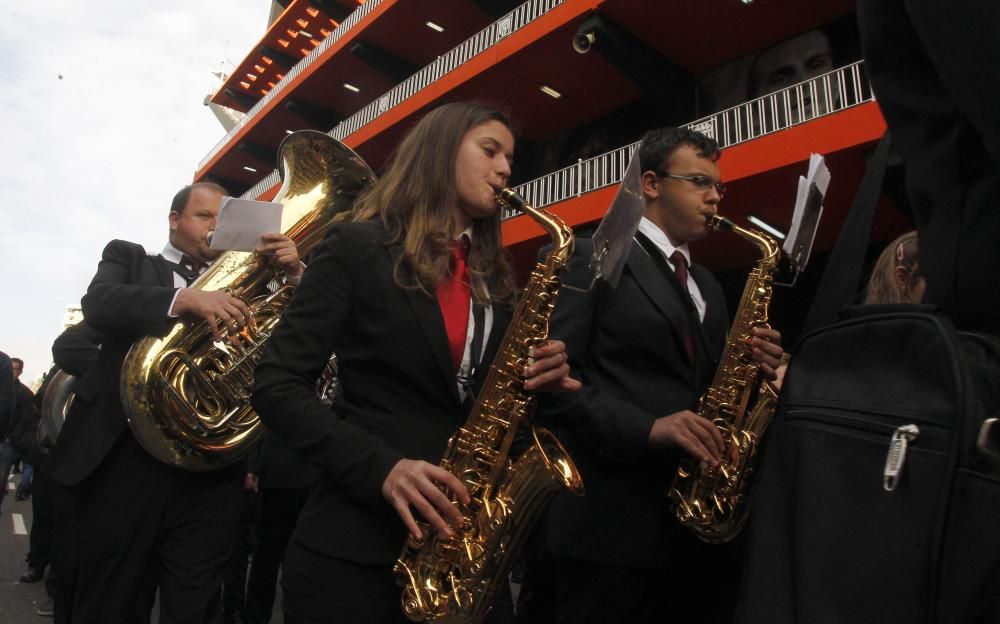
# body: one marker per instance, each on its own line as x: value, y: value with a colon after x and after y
x: 131, y: 510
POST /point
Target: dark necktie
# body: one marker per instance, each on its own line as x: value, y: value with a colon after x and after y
x: 681, y: 273
x: 453, y: 296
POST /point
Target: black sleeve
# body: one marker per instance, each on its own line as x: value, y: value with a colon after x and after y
x: 24, y: 412
x: 6, y: 394
x: 608, y: 424
x: 254, y: 456
x: 117, y: 304
x: 77, y: 348
x: 285, y: 380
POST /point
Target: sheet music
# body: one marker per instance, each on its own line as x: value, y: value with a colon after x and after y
x: 613, y: 236
x: 808, y: 210
x: 241, y: 223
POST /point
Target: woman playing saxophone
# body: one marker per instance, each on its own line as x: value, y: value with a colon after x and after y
x: 412, y: 292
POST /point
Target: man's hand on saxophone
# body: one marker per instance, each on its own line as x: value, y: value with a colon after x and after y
x: 697, y: 435
x: 690, y: 432
x: 767, y: 351
x: 549, y: 370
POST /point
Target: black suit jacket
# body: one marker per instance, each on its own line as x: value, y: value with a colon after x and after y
x: 6, y: 394
x: 128, y: 298
x: 627, y: 346
x: 398, y: 395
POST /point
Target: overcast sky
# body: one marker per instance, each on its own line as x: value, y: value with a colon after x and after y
x: 101, y: 121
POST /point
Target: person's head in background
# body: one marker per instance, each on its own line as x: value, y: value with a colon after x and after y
x: 896, y: 277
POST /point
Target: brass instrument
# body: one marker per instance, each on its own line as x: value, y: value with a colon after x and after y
x: 450, y: 580
x: 56, y: 402
x: 186, y: 396
x: 713, y: 502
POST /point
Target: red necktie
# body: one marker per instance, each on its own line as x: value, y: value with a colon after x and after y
x: 681, y: 272
x: 453, y: 295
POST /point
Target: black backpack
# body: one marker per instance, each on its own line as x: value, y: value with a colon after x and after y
x: 874, y: 502
x: 878, y: 496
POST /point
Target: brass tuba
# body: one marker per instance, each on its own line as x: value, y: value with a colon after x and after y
x: 454, y: 579
x: 713, y: 502
x: 56, y: 401
x: 187, y: 397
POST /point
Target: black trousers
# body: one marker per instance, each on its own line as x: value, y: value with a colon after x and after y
x: 322, y: 590
x: 234, y: 582
x: 597, y: 593
x: 43, y: 512
x: 138, y: 522
x: 318, y: 589
x: 933, y: 69
x: 279, y: 510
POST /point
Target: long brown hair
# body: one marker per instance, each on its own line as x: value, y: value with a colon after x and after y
x: 415, y: 198
x: 883, y: 285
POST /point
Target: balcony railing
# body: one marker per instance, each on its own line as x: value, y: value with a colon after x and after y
x: 473, y: 46
x: 820, y: 96
x: 292, y: 73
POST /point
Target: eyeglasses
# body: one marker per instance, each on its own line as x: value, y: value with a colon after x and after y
x: 701, y: 182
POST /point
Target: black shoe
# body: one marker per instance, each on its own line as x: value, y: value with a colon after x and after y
x: 33, y: 574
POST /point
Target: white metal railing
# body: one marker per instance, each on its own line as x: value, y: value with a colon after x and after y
x: 831, y: 92
x: 299, y: 67
x: 473, y: 46
x: 823, y: 95
x: 827, y: 93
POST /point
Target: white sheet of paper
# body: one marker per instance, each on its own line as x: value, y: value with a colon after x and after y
x: 241, y: 223
x: 805, y: 218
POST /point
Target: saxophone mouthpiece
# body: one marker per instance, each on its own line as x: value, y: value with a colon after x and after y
x: 715, y: 222
x: 508, y: 198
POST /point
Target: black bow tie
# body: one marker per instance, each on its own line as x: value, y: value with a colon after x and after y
x: 190, y: 268
x: 192, y: 264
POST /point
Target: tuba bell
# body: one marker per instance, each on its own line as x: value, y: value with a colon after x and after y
x: 187, y: 396
x: 56, y: 402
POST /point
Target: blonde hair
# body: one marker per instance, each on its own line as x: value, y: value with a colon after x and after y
x: 414, y: 200
x: 883, y: 285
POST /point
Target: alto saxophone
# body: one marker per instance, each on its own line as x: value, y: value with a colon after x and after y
x: 713, y: 502
x: 455, y: 579
x: 186, y: 395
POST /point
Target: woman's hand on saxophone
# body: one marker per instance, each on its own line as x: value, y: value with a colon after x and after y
x: 688, y: 431
x: 420, y: 485
x: 548, y: 371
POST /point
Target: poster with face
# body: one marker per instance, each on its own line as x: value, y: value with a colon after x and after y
x: 796, y: 59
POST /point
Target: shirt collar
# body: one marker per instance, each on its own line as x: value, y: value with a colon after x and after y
x: 467, y: 232
x: 171, y: 253
x: 662, y: 241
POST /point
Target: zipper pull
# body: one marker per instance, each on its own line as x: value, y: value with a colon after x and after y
x: 897, y: 455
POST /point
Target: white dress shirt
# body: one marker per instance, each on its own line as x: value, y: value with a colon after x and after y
x: 662, y: 242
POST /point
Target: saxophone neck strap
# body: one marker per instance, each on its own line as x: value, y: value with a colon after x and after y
x: 478, y: 321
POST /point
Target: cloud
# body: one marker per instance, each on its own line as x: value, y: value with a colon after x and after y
x: 103, y: 121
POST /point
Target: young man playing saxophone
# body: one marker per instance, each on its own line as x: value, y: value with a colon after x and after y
x: 645, y: 351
